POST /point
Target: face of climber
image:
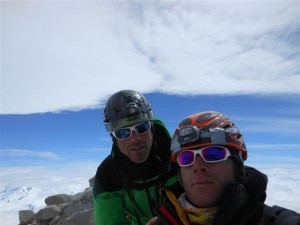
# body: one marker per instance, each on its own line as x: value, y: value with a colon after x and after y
x: 205, y: 182
x: 135, y: 141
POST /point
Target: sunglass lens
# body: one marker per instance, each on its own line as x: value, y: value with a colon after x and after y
x: 143, y: 127
x: 123, y: 133
x: 185, y: 158
x: 213, y: 153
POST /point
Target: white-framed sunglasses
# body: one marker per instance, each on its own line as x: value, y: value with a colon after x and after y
x: 125, y: 132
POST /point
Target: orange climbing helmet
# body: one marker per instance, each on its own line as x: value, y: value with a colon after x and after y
x: 208, y: 128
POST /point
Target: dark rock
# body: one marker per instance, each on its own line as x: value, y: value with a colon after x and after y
x: 58, y: 199
x: 85, y: 217
x: 47, y: 213
x: 25, y: 216
x: 63, y: 209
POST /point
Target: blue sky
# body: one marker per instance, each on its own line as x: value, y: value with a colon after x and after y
x: 270, y: 125
x: 61, y: 60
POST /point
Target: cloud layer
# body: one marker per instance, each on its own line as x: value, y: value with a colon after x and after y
x: 282, y: 186
x: 71, y: 55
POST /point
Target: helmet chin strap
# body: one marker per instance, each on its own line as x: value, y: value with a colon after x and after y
x: 239, y: 165
x: 114, y: 140
x: 179, y: 177
x: 158, y: 160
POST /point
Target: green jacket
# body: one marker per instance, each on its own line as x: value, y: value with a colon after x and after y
x: 123, y: 189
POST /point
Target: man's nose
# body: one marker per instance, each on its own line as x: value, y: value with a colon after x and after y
x: 199, y: 164
x: 135, y: 136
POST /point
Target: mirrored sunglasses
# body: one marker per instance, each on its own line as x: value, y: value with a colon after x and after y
x: 125, y: 132
x: 210, y: 154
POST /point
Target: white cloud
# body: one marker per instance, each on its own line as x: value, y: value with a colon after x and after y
x: 59, y: 176
x: 275, y: 146
x: 72, y: 55
x: 27, y: 187
x: 34, y: 182
x: 27, y: 153
x: 283, y: 185
x: 275, y: 125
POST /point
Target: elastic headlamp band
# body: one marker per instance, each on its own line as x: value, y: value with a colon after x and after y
x: 128, y: 121
x: 192, y: 134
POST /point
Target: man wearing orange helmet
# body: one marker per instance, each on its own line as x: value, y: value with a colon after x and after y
x: 210, y: 152
x: 139, y: 164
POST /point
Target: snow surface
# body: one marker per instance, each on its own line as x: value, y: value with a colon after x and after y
x: 13, y: 199
x: 27, y: 188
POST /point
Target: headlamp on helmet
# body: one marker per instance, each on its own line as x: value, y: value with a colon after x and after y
x: 206, y: 129
x: 126, y: 108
